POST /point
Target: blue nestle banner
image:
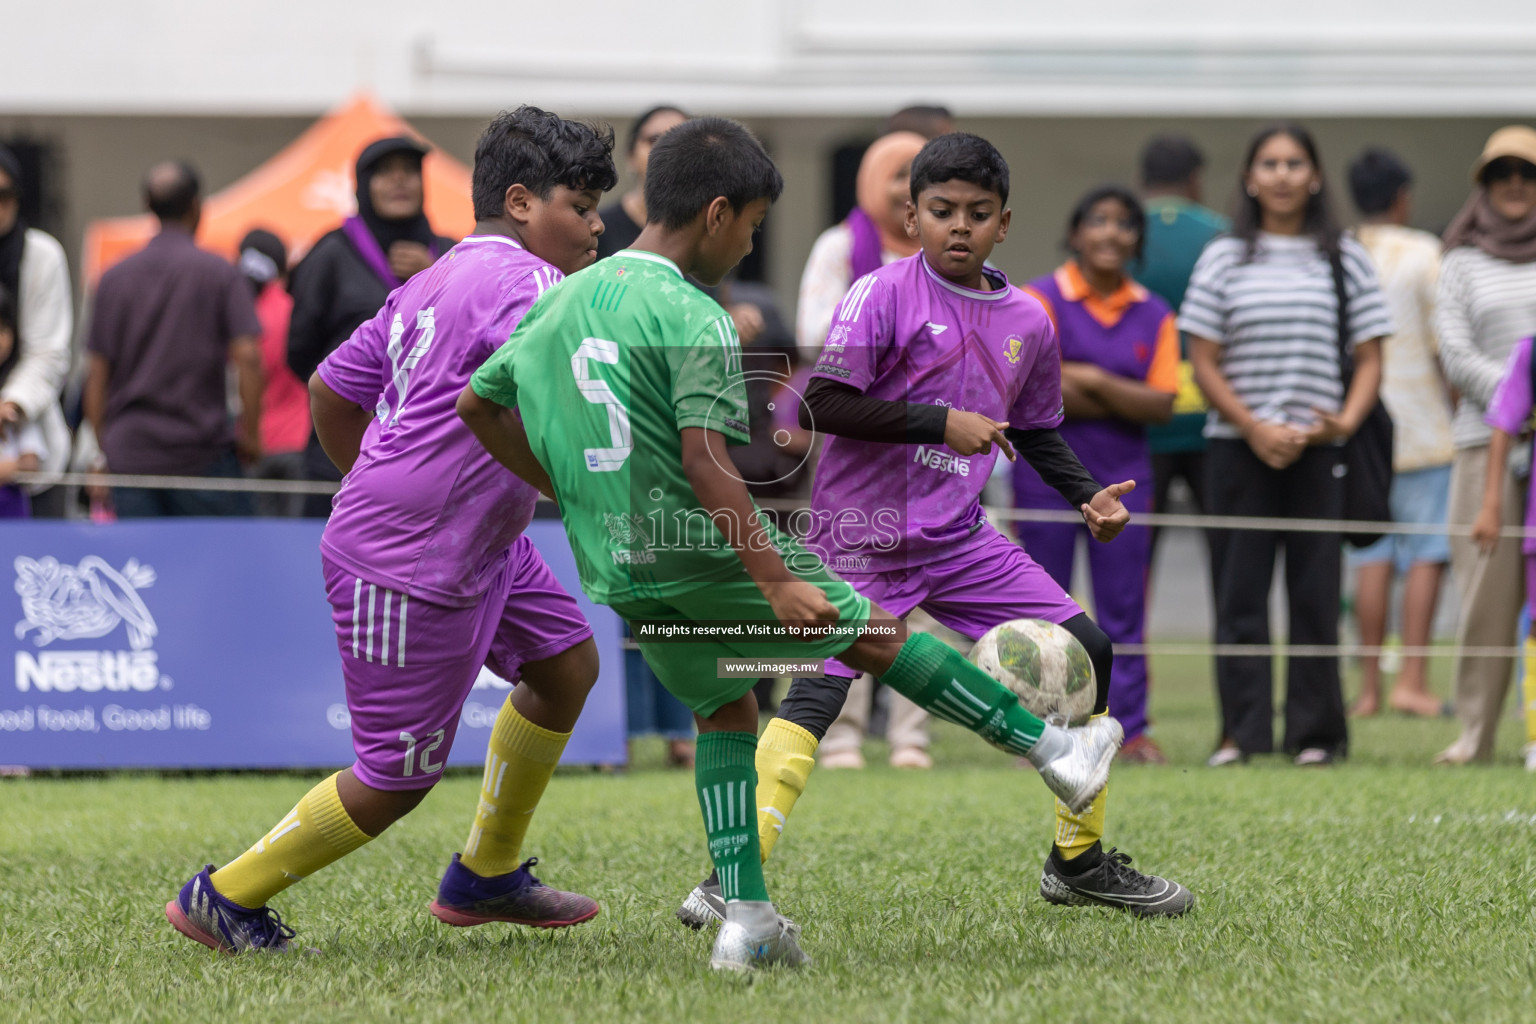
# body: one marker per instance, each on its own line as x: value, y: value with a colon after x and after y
x: 200, y: 643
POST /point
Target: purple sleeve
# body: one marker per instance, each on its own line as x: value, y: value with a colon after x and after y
x: 1511, y: 404
x: 358, y: 369
x: 513, y: 305
x: 861, y: 334
x: 1038, y: 406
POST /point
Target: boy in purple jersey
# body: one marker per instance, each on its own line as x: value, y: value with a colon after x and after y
x: 932, y: 361
x: 428, y: 573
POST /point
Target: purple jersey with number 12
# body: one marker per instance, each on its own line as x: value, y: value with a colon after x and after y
x: 426, y: 510
x: 903, y: 333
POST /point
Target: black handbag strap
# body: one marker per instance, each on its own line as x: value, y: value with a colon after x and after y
x: 1341, y: 294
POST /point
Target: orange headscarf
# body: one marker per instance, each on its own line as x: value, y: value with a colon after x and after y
x: 882, y: 160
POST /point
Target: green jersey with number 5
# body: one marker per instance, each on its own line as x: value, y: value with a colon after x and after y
x: 606, y: 370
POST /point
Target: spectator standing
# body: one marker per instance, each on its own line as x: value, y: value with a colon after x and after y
x: 1262, y: 317
x: 346, y: 277
x: 1119, y: 372
x: 1509, y: 413
x: 1486, y: 303
x: 166, y: 323
x: 21, y: 445
x: 1408, y: 263
x: 1178, y: 228
x: 285, y: 421
x: 625, y: 216
x: 35, y: 274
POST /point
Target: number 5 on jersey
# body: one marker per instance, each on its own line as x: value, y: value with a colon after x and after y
x: 596, y: 390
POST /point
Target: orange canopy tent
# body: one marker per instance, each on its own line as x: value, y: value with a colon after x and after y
x: 300, y: 194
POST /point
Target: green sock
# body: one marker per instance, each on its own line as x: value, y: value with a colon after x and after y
x: 935, y: 677
x: 723, y: 770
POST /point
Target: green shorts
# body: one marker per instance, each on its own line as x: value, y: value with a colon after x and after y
x: 688, y: 669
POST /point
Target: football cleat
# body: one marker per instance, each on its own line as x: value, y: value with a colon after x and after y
x: 740, y: 946
x: 200, y: 913
x: 1077, y: 776
x: 705, y: 905
x: 465, y: 899
x: 1110, y: 881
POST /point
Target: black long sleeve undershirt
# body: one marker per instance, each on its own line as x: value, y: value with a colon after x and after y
x: 1058, y: 465
x: 832, y: 407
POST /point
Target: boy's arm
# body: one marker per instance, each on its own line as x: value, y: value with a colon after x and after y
x: 339, y: 422
x: 724, y: 497
x: 1058, y: 465
x: 832, y: 407
x: 503, y: 435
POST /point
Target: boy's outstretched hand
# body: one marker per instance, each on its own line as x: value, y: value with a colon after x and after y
x: 967, y: 433
x: 1105, y: 516
x: 798, y: 603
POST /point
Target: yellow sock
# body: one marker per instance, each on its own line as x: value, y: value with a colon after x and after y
x: 786, y: 754
x: 316, y: 832
x: 1528, y: 689
x: 1075, y: 833
x: 518, y: 764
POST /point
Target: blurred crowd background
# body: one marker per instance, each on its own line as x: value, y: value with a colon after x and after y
x: 1400, y: 116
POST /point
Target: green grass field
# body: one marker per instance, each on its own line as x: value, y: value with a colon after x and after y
x: 1380, y: 890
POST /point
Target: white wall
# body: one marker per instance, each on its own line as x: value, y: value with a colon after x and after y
x: 773, y: 57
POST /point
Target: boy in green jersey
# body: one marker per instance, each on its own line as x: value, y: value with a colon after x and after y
x: 616, y: 397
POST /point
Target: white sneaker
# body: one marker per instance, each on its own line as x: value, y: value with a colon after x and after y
x: 757, y: 938
x: 1530, y: 757
x: 1077, y: 775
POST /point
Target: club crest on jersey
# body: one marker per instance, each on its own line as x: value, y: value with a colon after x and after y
x: 1013, y: 348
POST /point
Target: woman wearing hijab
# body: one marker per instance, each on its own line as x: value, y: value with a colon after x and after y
x: 1485, y: 303
x: 350, y: 272
x: 34, y: 272
x: 873, y: 235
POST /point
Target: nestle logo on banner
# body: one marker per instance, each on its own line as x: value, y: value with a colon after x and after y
x: 85, y: 602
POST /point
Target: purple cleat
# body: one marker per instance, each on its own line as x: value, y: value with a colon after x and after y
x: 465, y: 899
x: 200, y: 913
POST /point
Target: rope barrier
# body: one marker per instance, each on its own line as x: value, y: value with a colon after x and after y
x: 1316, y: 650
x: 997, y: 514
x: 180, y: 483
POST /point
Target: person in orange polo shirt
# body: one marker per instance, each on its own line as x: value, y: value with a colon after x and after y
x: 1119, y: 372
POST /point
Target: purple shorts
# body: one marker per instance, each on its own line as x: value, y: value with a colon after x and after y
x: 986, y: 586
x: 409, y: 665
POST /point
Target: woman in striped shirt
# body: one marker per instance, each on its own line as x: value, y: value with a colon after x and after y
x: 1486, y: 303
x: 1262, y: 315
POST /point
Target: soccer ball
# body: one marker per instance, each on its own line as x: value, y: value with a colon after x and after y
x: 1044, y: 665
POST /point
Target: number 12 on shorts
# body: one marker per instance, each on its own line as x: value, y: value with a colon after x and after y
x: 421, y: 760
